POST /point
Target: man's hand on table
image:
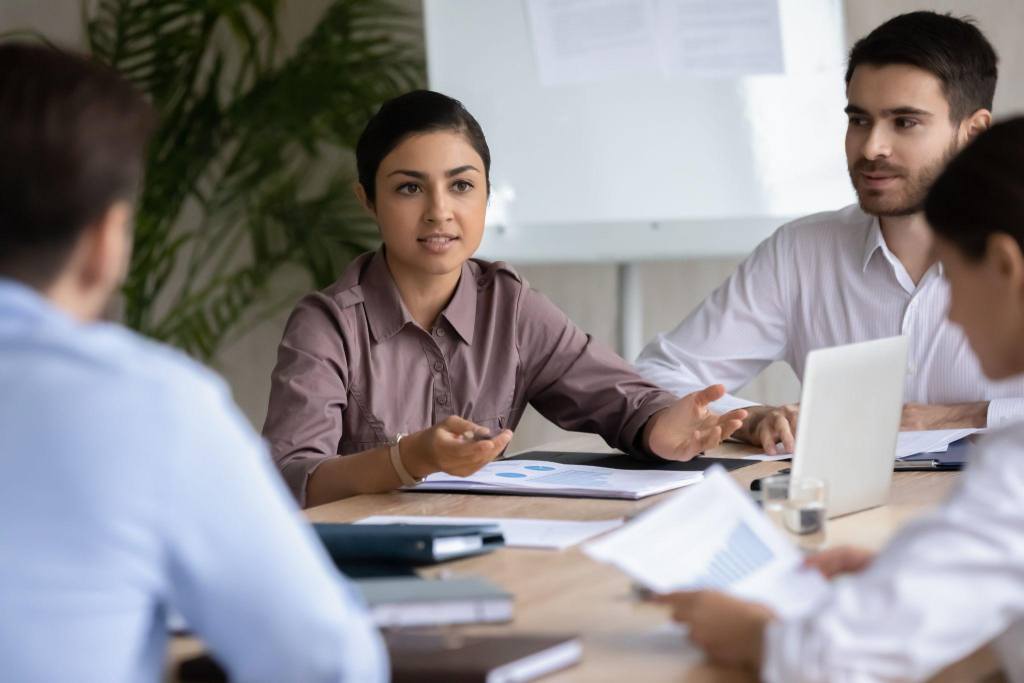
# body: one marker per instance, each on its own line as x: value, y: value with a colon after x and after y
x: 773, y: 428
x: 767, y: 426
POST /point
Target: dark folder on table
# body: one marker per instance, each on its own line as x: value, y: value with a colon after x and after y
x: 618, y: 461
x: 411, y: 544
x: 451, y: 658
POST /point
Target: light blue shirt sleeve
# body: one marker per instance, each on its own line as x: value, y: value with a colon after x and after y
x: 247, y: 575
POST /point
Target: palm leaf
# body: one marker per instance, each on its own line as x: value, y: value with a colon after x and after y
x: 250, y: 169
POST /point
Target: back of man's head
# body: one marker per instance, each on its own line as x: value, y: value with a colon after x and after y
x: 73, y: 135
x: 952, y: 49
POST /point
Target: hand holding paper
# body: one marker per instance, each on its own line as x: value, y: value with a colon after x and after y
x: 712, y: 537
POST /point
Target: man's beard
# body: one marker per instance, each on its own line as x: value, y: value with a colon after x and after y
x: 916, y: 186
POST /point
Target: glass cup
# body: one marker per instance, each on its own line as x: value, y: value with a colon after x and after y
x: 797, y: 506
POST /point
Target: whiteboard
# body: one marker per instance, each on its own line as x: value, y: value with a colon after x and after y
x: 644, y: 167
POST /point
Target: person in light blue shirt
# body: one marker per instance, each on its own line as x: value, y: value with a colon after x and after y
x: 130, y: 485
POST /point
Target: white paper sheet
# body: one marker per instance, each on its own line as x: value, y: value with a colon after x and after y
x: 543, y: 478
x: 713, y: 536
x: 578, y: 41
x: 929, y: 441
x: 763, y: 457
x: 553, y: 534
x: 720, y: 37
x: 908, y: 443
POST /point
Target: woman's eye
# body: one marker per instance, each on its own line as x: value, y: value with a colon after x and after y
x: 462, y: 186
x: 409, y: 188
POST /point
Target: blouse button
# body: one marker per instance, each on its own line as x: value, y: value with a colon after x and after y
x: 438, y: 365
x: 442, y: 399
x: 439, y: 332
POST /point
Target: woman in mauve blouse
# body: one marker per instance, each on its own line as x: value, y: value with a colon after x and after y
x: 420, y: 359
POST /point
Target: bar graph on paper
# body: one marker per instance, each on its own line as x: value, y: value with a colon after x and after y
x: 743, y: 554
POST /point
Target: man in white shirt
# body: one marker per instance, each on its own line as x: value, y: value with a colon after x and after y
x: 919, y: 87
x: 131, y: 484
x: 954, y: 580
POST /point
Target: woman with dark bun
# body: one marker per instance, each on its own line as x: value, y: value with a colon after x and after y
x: 421, y: 359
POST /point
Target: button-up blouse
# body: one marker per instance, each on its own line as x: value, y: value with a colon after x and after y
x: 354, y: 369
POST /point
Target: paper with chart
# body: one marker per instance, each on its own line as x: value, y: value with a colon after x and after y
x: 552, y: 534
x: 543, y: 478
x: 713, y: 536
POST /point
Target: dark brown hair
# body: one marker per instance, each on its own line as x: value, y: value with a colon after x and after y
x: 981, y: 192
x: 73, y: 134
x: 419, y: 111
x: 952, y: 49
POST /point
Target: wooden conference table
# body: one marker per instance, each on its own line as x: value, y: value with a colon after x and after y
x: 567, y: 592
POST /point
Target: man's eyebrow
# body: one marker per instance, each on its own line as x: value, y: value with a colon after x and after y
x: 895, y: 111
x: 906, y: 111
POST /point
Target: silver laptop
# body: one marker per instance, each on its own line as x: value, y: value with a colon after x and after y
x: 850, y: 410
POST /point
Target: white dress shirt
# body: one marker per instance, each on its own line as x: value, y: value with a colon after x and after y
x: 946, y: 585
x: 132, y: 486
x: 821, y: 281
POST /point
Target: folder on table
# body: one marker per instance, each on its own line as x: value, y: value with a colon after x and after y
x: 406, y: 601
x: 406, y: 543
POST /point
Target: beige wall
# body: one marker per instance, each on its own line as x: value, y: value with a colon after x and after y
x: 586, y: 292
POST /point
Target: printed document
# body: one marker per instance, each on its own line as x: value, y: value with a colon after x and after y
x: 713, y: 536
x: 541, y: 478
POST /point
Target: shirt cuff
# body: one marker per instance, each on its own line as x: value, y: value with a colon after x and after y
x: 1004, y: 411
x: 633, y: 433
x: 296, y: 473
x: 773, y: 655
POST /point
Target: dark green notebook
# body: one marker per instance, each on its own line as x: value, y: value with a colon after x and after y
x: 410, y: 544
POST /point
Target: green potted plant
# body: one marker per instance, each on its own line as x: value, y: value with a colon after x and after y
x: 251, y: 168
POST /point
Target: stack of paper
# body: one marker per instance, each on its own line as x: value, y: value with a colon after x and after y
x: 908, y: 443
x: 713, y: 537
x: 929, y: 441
x: 540, y: 478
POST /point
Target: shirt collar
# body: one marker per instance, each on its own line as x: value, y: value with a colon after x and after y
x: 16, y: 297
x: 873, y: 241
x: 387, y: 314
x: 385, y: 311
x: 461, y: 310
